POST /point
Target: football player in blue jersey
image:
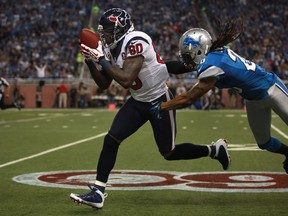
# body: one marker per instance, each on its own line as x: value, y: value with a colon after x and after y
x: 219, y: 66
x: 129, y: 57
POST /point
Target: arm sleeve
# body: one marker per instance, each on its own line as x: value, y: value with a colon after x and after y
x: 212, y: 71
x: 176, y: 67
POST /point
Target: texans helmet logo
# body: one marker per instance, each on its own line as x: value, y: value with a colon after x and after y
x: 118, y: 20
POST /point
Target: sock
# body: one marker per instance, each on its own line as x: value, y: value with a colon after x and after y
x: 100, y: 186
x: 212, y: 151
x: 283, y: 150
x: 186, y: 151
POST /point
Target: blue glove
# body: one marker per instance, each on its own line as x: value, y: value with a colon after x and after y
x: 155, y: 110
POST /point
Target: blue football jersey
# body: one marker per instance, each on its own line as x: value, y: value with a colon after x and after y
x: 233, y: 71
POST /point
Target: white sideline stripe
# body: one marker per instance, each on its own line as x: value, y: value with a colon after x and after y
x: 279, y: 131
x: 52, y: 150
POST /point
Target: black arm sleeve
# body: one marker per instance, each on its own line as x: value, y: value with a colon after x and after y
x: 176, y: 67
x: 90, y: 64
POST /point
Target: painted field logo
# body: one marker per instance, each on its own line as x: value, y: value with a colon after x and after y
x: 159, y: 180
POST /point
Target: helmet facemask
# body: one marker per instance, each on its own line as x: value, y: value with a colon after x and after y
x: 188, y: 60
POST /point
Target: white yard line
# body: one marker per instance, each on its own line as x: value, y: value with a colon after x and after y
x: 52, y: 150
x: 279, y: 131
x: 36, y: 118
x: 88, y: 139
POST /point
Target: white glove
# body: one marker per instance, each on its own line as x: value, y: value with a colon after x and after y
x: 92, y: 54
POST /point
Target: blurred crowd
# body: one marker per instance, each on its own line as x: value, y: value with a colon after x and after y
x: 264, y: 40
x: 39, y: 37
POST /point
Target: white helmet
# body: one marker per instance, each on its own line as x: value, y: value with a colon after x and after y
x: 194, y: 44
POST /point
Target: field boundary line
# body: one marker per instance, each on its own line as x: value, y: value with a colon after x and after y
x: 279, y: 131
x: 52, y: 150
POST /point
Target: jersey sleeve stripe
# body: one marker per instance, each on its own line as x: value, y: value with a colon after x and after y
x: 211, y: 71
x: 136, y: 38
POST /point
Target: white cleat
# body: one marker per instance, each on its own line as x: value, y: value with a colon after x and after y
x: 222, y: 154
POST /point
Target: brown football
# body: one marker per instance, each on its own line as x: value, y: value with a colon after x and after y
x: 89, y: 38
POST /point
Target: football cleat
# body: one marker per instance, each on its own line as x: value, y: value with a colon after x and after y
x: 95, y: 198
x: 221, y: 153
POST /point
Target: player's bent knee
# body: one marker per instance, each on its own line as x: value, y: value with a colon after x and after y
x: 272, y: 145
x: 168, y: 155
x: 110, y: 142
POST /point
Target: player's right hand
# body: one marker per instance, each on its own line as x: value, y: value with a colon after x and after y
x: 156, y: 109
x: 92, y: 54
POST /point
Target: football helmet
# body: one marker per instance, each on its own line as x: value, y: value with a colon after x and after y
x: 194, y: 44
x: 113, y: 26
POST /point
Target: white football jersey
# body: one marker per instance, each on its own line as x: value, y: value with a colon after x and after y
x: 151, y: 81
x: 3, y: 83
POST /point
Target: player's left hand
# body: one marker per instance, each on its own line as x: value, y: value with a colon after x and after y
x: 156, y: 109
x: 92, y: 54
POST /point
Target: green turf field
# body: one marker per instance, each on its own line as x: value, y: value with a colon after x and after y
x: 65, y: 140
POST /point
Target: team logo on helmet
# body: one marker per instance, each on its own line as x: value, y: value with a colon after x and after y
x: 189, y: 41
x: 120, y: 21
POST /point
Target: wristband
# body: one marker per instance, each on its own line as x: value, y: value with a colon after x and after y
x: 90, y: 64
x: 104, y: 63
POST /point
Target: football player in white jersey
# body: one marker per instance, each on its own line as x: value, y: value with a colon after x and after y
x: 219, y: 66
x: 5, y: 94
x: 129, y: 57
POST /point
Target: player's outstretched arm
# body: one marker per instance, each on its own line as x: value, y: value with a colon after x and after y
x: 177, y: 67
x: 189, y: 97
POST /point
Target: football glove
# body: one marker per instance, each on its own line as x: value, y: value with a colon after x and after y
x: 92, y: 54
x: 156, y: 109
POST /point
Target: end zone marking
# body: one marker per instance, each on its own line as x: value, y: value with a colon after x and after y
x: 229, y: 182
x: 52, y: 150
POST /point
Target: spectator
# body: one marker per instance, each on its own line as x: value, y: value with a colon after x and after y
x: 63, y: 95
x: 41, y: 70
x: 82, y: 95
x: 57, y: 94
x: 39, y: 93
x: 233, y: 97
x: 73, y: 96
x: 18, y: 98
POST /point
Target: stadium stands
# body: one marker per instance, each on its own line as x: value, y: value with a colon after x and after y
x: 38, y: 33
x: 265, y: 30
x: 35, y: 33
x: 38, y: 38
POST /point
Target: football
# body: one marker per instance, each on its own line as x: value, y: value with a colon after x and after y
x: 89, y: 38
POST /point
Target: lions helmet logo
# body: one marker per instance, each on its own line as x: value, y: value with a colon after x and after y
x: 189, y: 42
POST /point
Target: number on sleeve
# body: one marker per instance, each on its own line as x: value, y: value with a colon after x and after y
x: 158, y: 57
x: 248, y: 64
x: 135, y: 49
